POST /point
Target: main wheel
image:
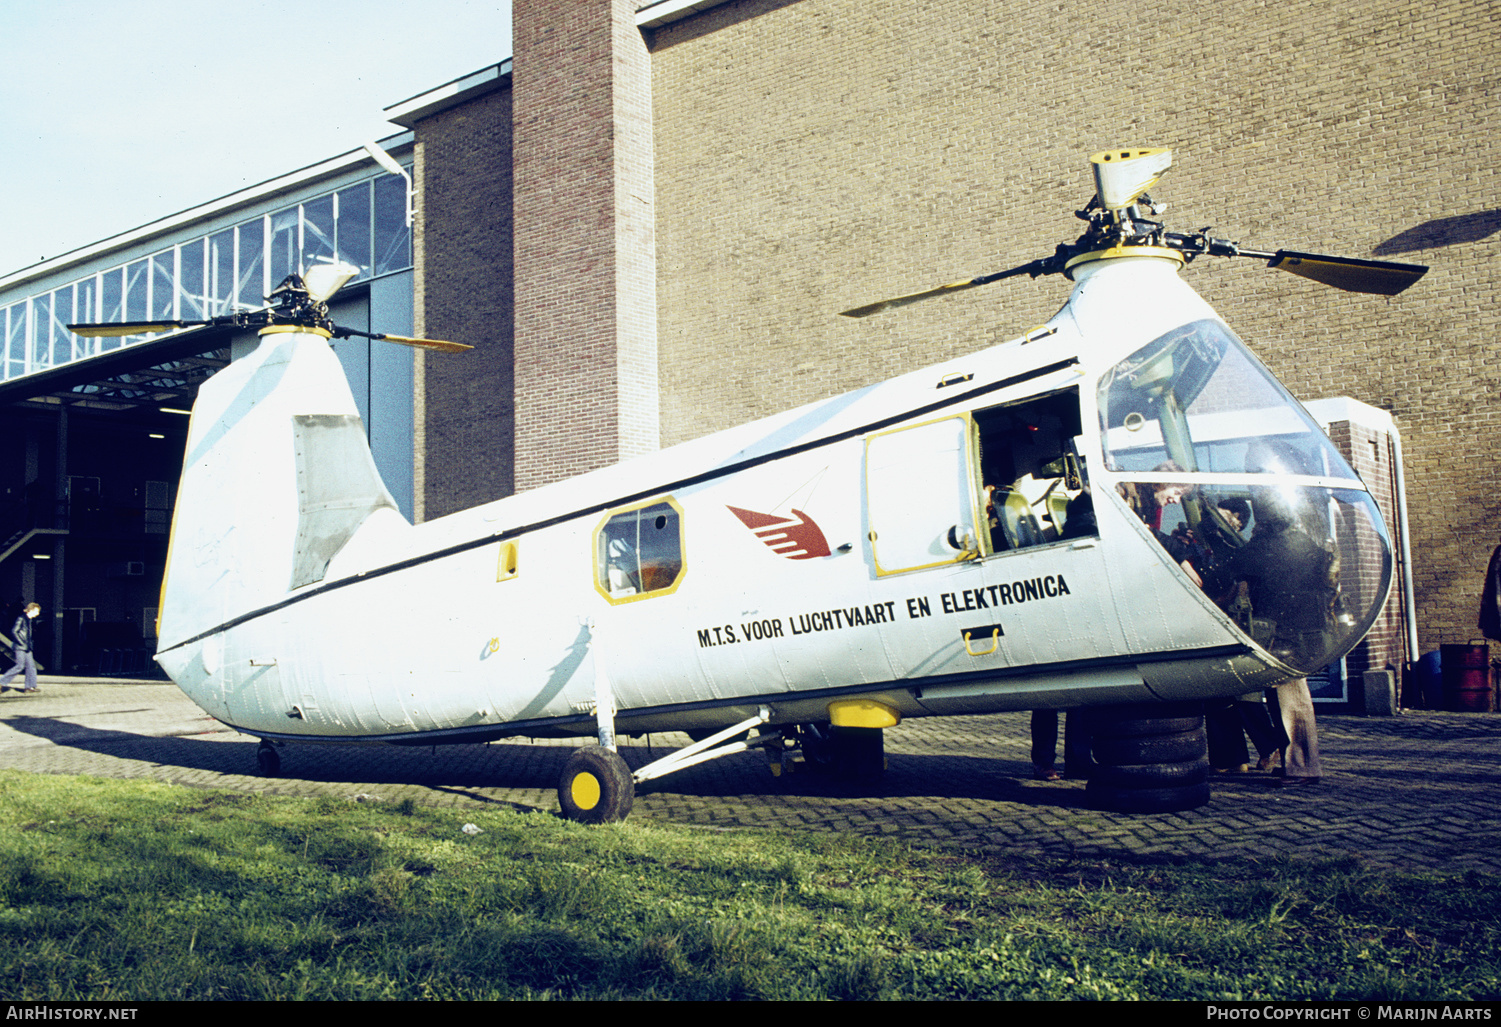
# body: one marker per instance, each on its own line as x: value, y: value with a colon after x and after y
x: 596, y: 787
x: 849, y: 753
x: 859, y: 752
x: 268, y: 760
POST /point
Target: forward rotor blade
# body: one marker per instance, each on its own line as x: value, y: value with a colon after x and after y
x: 1381, y: 277
x: 99, y: 331
x: 1034, y: 268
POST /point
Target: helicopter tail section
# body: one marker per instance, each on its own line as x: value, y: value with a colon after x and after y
x: 277, y: 477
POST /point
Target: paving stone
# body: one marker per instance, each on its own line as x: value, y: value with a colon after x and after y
x: 1417, y: 791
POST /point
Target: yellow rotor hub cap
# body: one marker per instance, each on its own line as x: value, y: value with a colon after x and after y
x: 585, y: 790
x: 1123, y: 251
x: 295, y: 329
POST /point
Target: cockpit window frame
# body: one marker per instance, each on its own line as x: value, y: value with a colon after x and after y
x: 1075, y: 444
x: 1244, y: 493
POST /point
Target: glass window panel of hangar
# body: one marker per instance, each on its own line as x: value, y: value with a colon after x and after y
x: 221, y: 271
x: 41, y: 316
x: 211, y: 275
x: 112, y: 304
x: 163, y: 285
x: 59, y: 338
x: 15, y: 340
x: 281, y: 255
x: 192, y: 301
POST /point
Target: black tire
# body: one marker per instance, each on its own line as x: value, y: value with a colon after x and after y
x: 859, y: 752
x: 596, y: 787
x: 1150, y: 764
x: 1165, y: 748
x: 1148, y: 800
x: 268, y: 760
x: 1168, y: 718
x: 1152, y: 775
x: 1141, y: 726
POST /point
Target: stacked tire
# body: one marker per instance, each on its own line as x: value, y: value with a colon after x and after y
x: 1149, y: 759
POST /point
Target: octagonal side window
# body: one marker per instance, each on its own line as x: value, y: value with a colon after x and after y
x: 638, y: 552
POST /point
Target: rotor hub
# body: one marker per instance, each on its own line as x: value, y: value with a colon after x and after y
x: 1123, y: 250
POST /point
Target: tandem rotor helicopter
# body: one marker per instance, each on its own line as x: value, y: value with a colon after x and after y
x: 981, y: 536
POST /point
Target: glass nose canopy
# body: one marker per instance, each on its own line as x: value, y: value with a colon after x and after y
x: 1246, y: 494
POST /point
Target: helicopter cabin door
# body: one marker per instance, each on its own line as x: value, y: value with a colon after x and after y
x: 920, y: 496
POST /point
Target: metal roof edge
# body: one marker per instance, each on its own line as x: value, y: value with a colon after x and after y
x: 1334, y: 409
x: 450, y: 94
x: 662, y: 12
x: 245, y: 196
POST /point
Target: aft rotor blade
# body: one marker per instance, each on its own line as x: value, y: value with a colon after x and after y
x: 1033, y: 268
x: 1381, y: 277
x: 436, y: 345
x: 97, y: 331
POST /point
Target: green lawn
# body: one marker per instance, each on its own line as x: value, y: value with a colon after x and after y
x: 124, y: 890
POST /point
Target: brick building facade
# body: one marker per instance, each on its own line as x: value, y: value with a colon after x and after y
x: 671, y: 205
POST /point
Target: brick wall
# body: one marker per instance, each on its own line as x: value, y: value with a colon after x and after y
x: 815, y: 155
x: 465, y: 281
x: 586, y: 310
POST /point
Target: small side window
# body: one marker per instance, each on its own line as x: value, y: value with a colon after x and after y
x: 639, y: 552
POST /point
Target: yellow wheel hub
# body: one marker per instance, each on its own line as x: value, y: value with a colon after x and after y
x: 585, y: 790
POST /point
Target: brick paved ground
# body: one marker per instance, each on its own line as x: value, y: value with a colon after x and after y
x: 1421, y: 790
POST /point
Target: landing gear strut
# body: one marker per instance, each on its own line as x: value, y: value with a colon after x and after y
x: 851, y: 753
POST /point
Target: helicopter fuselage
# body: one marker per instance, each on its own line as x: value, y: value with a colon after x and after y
x: 967, y: 538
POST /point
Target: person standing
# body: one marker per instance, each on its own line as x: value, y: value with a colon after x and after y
x: 22, y: 639
x: 1300, y: 757
x: 1490, y: 598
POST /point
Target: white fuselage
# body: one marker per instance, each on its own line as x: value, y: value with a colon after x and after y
x: 289, y: 613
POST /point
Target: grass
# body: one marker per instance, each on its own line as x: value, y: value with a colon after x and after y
x: 125, y: 890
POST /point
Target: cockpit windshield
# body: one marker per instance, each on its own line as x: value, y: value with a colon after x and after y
x: 1245, y: 493
x: 1196, y: 396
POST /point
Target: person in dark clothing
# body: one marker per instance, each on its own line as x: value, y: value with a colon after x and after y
x: 1076, y: 745
x: 1289, y: 580
x: 1490, y: 598
x: 22, y: 640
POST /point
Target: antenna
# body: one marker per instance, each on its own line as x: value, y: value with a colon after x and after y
x: 388, y: 162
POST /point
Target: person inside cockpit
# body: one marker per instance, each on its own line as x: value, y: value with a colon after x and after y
x: 1194, y: 549
x: 1149, y: 501
x: 1291, y: 582
x: 1034, y: 479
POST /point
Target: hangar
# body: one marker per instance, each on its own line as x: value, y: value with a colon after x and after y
x: 647, y: 218
x: 99, y: 424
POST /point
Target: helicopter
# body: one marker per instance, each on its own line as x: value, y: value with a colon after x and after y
x: 981, y: 536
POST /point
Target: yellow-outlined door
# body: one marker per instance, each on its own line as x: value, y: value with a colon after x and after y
x: 920, y: 494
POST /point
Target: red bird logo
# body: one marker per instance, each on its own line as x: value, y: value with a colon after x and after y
x: 795, y: 537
